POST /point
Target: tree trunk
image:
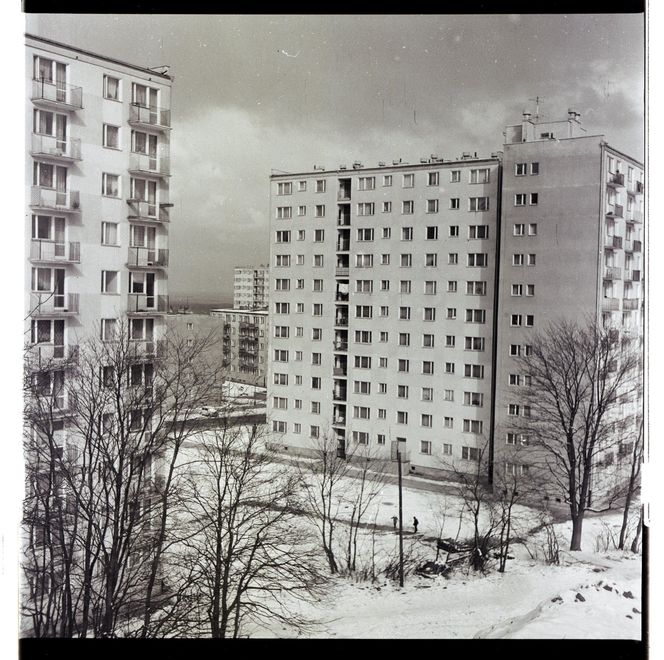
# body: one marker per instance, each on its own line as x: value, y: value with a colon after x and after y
x: 577, y: 528
x: 635, y: 542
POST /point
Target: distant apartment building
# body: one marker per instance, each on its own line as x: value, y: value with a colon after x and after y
x: 244, y: 344
x: 250, y: 287
x: 399, y: 293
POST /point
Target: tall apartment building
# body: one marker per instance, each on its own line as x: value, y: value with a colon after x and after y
x: 97, y: 198
x: 250, y: 287
x: 400, y: 294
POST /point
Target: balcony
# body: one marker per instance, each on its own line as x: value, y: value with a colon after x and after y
x: 154, y: 117
x: 340, y: 296
x: 630, y: 304
x: 616, y: 180
x: 141, y: 210
x: 610, y: 304
x: 53, y: 148
x: 636, y: 246
x: 613, y: 242
x: 141, y: 303
x: 53, y: 304
x: 51, y: 252
x: 48, y: 199
x: 145, y: 165
x: 618, y: 211
x: 339, y: 395
x: 339, y: 421
x: 343, y: 219
x: 58, y: 96
x: 145, y: 349
x: 340, y: 371
x: 44, y: 355
x: 140, y: 257
x: 612, y: 273
x: 342, y: 272
x: 340, y: 345
x: 341, y: 321
x: 343, y: 246
x: 635, y: 275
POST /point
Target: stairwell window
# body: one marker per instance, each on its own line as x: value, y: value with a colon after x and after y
x: 111, y: 88
x: 110, y: 185
x: 534, y: 199
x: 110, y: 281
x: 111, y: 136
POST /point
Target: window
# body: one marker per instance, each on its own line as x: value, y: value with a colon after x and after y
x: 450, y: 341
x: 298, y: 380
x: 472, y: 426
x: 404, y: 339
x: 363, y: 286
x: 320, y: 211
x: 532, y: 229
x: 318, y: 260
x: 361, y: 412
x: 478, y: 260
x: 404, y: 286
x: 406, y: 233
x: 383, y: 336
x: 518, y: 260
x: 431, y: 259
x: 448, y: 422
x: 366, y: 183
x: 520, y: 169
x: 299, y: 331
x: 302, y: 210
x: 299, y: 308
x: 534, y: 168
x: 110, y: 281
x: 382, y: 362
x: 473, y: 399
x: 299, y: 260
x: 301, y: 234
x: 386, y: 232
x: 403, y: 366
x: 385, y: 285
x: 406, y: 260
x: 475, y: 316
x: 282, y: 331
x: 427, y: 367
x: 432, y: 206
x: 531, y: 259
x: 451, y: 286
x: 284, y: 212
x: 432, y: 233
x: 320, y: 185
x: 315, y: 407
x: 282, y: 285
x: 474, y: 288
x: 519, y: 229
x: 386, y: 208
x: 449, y: 395
x: 108, y: 329
x: 516, y: 320
x: 513, y: 409
x: 427, y: 341
x: 314, y: 431
x: 111, y: 88
x: 407, y: 207
x: 317, y: 309
x: 387, y: 180
x: 279, y: 427
x: 404, y: 313
x: 530, y: 289
x: 520, y: 199
x: 430, y: 287
x: 380, y: 438
x: 280, y: 355
x: 473, y: 370
x: 362, y: 362
x: 111, y: 136
x: 363, y: 336
x: 317, y: 285
x: 515, y: 350
x: 281, y: 308
x: 301, y: 186
x: 534, y: 198
x: 430, y: 313
x: 408, y: 180
x: 449, y: 367
x: 280, y: 379
x: 109, y: 233
x: 453, y: 258
x: 280, y: 402
x: 364, y: 260
x: 363, y: 311
x: 402, y: 417
x: 447, y: 449
x: 427, y: 394
x: 474, y: 343
x: 316, y: 334
x: 361, y: 437
x: 365, y: 208
x: 478, y: 231
x: 283, y: 236
x: 470, y: 453
x: 425, y: 447
x: 362, y: 387
x: 478, y: 204
x: 480, y: 176
x: 110, y: 185
x: 455, y: 176
x: 285, y: 188
x: 455, y: 203
x: 432, y: 178
x: 384, y: 259
x: 319, y: 235
x: 316, y: 382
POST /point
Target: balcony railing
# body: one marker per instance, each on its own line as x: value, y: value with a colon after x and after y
x: 630, y: 304
x: 339, y: 421
x: 154, y: 117
x: 614, y: 242
x: 145, y: 164
x: 343, y: 246
x: 41, y: 355
x: 57, y: 94
x: 49, y: 146
x: 339, y: 395
x: 340, y: 345
x: 140, y: 257
x: 617, y: 180
x: 343, y: 220
x: 610, y: 304
x: 340, y: 371
x: 341, y: 297
x: 54, y: 200
x: 146, y: 348
x: 139, y: 209
x: 612, y: 273
x: 51, y: 251
x: 141, y: 303
x: 341, y: 321
x: 53, y: 304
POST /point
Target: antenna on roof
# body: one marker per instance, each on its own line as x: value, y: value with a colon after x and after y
x: 537, y: 100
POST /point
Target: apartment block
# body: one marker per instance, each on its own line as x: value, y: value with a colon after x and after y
x: 97, y: 202
x: 400, y: 295
x: 382, y: 303
x: 250, y: 287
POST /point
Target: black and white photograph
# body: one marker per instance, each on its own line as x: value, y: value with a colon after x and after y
x: 333, y: 326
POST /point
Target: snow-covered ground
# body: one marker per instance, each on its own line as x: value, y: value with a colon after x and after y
x: 591, y: 594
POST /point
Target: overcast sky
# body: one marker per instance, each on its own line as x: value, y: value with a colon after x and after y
x: 256, y: 93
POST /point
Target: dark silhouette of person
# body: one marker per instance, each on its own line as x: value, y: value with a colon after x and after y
x: 395, y: 520
x: 416, y: 522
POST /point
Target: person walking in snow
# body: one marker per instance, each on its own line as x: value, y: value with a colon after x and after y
x: 395, y: 520
x: 416, y: 522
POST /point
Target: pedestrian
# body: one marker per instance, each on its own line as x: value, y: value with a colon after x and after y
x: 416, y: 522
x: 395, y: 520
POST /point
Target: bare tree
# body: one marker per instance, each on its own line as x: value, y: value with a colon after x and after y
x: 579, y: 377
x: 633, y: 483
x: 103, y: 429
x: 250, y: 555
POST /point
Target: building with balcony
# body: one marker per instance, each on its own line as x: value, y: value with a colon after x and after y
x: 250, y: 287
x: 398, y: 293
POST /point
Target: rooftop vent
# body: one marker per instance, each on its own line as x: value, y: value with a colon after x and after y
x: 357, y: 165
x: 396, y: 162
x: 424, y: 160
x: 342, y: 167
x: 466, y: 154
x: 381, y: 163
x: 319, y: 167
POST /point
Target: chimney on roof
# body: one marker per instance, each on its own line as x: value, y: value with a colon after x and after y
x: 526, y: 115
